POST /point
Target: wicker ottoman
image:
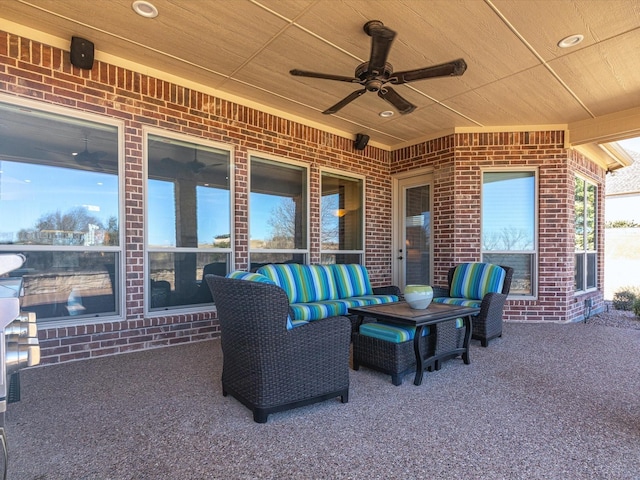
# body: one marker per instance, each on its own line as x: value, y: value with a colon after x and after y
x: 398, y: 358
x: 395, y: 359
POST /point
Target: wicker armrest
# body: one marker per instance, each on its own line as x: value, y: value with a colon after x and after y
x: 387, y: 290
x: 440, y: 292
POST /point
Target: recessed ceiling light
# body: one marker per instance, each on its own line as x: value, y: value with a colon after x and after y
x: 144, y: 9
x: 571, y: 41
x: 386, y: 114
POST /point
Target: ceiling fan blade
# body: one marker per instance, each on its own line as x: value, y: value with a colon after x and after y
x: 381, y: 40
x: 326, y: 76
x: 449, y: 69
x: 391, y: 96
x: 348, y: 99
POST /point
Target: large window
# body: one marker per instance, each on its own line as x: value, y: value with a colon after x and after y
x: 189, y: 224
x: 341, y: 219
x: 278, y: 212
x: 509, y: 225
x: 585, y: 228
x: 60, y: 207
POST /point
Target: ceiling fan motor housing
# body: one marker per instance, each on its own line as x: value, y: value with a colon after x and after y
x: 363, y: 73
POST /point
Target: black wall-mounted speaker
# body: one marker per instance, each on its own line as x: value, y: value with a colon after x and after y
x: 361, y: 141
x: 81, y: 53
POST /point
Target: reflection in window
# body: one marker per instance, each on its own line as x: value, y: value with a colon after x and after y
x: 176, y: 279
x: 67, y: 283
x: 585, y: 234
x: 508, y: 225
x: 59, y: 205
x: 188, y: 220
x: 278, y: 211
x: 341, y: 219
x: 417, y: 235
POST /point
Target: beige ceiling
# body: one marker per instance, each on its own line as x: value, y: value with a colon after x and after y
x: 517, y: 76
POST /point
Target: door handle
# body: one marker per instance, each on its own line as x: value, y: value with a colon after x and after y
x: 399, y: 258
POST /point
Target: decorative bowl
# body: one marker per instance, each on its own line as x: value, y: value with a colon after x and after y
x: 418, y: 296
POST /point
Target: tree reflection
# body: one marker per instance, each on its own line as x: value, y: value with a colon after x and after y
x: 75, y: 227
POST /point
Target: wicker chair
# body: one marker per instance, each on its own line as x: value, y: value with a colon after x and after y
x: 487, y: 325
x: 267, y: 367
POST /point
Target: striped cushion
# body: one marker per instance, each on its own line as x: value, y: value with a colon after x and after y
x: 352, y: 280
x: 317, y: 310
x: 303, y: 283
x: 253, y: 277
x: 464, y: 302
x: 328, y: 308
x: 375, y: 299
x: 295, y: 323
x: 256, y: 277
x: 321, y: 282
x: 475, y: 280
x: 390, y: 332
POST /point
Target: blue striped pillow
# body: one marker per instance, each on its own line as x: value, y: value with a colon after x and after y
x: 475, y: 280
x: 256, y: 277
x: 289, y: 278
x: 321, y: 282
x: 253, y: 277
x: 352, y: 280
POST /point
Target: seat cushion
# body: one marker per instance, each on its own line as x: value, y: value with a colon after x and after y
x: 475, y: 280
x: 327, y: 308
x: 390, y: 332
x: 317, y: 310
x: 374, y: 299
x: 463, y: 302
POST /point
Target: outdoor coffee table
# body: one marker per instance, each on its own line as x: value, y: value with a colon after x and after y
x: 400, y: 313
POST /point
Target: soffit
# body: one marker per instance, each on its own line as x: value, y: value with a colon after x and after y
x: 517, y: 76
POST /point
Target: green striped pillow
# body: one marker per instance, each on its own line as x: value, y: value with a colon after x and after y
x: 303, y: 283
x: 256, y: 277
x: 475, y: 280
x: 290, y: 278
x: 253, y: 277
x: 352, y: 280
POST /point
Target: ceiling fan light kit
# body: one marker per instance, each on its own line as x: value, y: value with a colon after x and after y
x: 375, y: 74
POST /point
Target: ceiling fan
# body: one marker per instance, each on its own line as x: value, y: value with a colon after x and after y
x: 375, y: 74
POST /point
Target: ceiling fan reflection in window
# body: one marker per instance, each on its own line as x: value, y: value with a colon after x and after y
x: 191, y: 167
x: 56, y: 152
x: 90, y: 159
x: 377, y: 74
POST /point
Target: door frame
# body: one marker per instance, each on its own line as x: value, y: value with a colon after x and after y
x: 399, y: 181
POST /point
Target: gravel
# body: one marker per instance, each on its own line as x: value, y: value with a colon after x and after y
x: 615, y: 318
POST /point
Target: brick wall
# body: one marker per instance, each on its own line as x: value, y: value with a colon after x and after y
x: 32, y: 70
x: 457, y: 161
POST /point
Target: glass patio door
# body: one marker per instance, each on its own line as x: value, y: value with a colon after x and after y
x: 413, y: 264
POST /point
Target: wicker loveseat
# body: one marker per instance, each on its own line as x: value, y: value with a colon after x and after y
x: 268, y: 365
x: 481, y: 285
x: 321, y: 291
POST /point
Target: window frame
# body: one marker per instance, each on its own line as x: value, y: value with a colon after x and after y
x: 586, y: 252
x: 350, y: 176
x: 305, y: 252
x: 228, y: 251
x: 119, y: 283
x: 534, y: 252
